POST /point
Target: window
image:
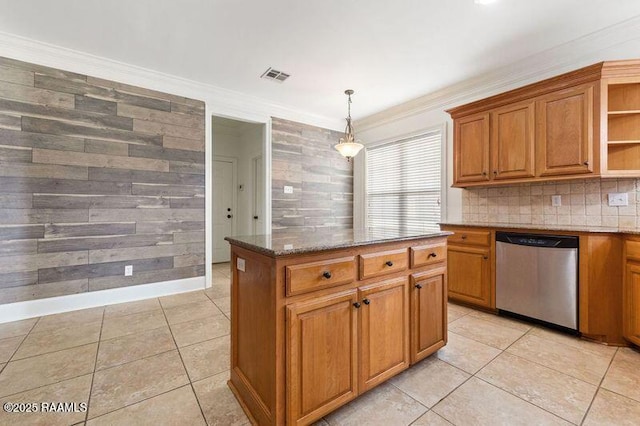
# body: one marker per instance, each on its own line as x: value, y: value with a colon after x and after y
x: 404, y: 183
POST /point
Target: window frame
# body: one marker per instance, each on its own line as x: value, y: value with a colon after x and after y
x: 442, y: 128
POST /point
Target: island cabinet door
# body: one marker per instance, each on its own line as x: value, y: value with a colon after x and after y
x: 384, y: 331
x: 428, y: 312
x: 322, y: 356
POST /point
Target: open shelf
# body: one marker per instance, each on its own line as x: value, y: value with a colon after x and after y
x: 624, y: 156
x: 623, y: 134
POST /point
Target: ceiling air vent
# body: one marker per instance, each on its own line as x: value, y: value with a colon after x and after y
x: 275, y: 75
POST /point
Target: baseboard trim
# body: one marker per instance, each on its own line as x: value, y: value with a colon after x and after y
x: 54, y: 305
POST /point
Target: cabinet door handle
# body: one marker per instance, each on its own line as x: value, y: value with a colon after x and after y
x: 357, y: 305
x: 418, y: 286
x: 464, y: 237
x: 366, y: 301
x: 586, y: 163
x: 229, y: 216
x: 485, y: 257
x: 495, y: 172
x: 388, y: 263
x: 327, y: 274
x: 484, y: 173
x: 432, y: 255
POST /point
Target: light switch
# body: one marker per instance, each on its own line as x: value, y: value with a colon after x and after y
x: 618, y: 199
x: 240, y: 264
x: 288, y: 189
x: 128, y: 270
x: 556, y: 200
x: 288, y: 246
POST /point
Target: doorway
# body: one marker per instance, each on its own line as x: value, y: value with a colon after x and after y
x: 239, y: 190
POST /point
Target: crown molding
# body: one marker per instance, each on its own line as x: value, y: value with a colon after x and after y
x: 220, y: 101
x: 568, y: 56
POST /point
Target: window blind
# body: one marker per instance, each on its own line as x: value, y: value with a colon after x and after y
x: 404, y: 183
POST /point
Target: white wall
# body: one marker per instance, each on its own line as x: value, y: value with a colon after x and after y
x: 620, y: 41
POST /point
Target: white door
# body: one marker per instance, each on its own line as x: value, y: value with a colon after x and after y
x: 258, y: 196
x: 223, y: 187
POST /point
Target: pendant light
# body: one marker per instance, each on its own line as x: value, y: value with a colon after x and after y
x: 348, y: 146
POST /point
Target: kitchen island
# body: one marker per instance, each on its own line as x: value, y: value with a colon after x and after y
x: 320, y: 318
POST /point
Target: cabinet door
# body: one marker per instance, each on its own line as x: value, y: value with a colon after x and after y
x: 428, y: 312
x: 512, y: 141
x: 322, y: 356
x: 469, y: 275
x: 565, y: 132
x: 384, y: 331
x: 631, y: 303
x: 471, y: 148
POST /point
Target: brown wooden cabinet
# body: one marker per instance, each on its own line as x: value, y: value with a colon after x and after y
x: 470, y: 278
x: 565, y: 132
x: 311, y: 331
x: 512, y: 141
x: 580, y: 124
x: 631, y: 292
x: 428, y: 312
x: 471, y: 148
x: 384, y: 331
x: 469, y: 261
x: 322, y: 345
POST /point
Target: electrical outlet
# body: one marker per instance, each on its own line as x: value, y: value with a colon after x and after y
x: 288, y: 246
x: 556, y: 200
x: 128, y: 270
x: 288, y: 189
x: 240, y: 264
x: 618, y: 199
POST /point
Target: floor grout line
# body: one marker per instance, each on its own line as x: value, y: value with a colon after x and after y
x: 95, y: 365
x: 586, y: 413
x: 195, y: 395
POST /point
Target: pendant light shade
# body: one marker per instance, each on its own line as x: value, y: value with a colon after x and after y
x: 348, y: 146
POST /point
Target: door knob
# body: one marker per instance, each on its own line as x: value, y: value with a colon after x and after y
x: 357, y: 305
x: 366, y: 301
x: 229, y: 216
x: 418, y: 286
x: 228, y: 209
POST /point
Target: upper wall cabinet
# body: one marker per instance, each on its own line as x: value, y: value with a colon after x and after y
x: 585, y: 123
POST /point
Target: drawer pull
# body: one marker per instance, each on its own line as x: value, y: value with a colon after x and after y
x: 357, y: 305
x: 432, y: 255
x: 388, y: 263
x: 418, y: 286
x: 366, y: 301
x: 327, y: 274
x: 464, y: 237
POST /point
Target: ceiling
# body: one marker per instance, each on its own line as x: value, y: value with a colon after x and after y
x: 388, y: 52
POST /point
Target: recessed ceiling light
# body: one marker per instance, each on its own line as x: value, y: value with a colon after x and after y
x: 484, y: 1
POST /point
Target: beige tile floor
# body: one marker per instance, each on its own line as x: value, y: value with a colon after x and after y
x: 166, y: 361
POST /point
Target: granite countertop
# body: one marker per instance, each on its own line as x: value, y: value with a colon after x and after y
x: 542, y: 227
x: 283, y: 243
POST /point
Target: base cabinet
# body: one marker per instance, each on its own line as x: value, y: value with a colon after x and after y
x: 470, y: 275
x: 428, y: 312
x: 322, y: 345
x: 631, y: 303
x: 384, y: 331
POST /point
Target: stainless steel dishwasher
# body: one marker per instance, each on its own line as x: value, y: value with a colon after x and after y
x: 537, y: 277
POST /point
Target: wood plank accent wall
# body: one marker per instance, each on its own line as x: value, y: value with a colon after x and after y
x: 96, y: 175
x: 303, y: 156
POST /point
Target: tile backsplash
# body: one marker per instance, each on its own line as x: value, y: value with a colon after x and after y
x: 584, y: 202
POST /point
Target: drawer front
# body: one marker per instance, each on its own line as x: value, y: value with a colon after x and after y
x: 474, y: 238
x: 428, y: 255
x: 317, y: 275
x: 633, y: 249
x: 382, y: 263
